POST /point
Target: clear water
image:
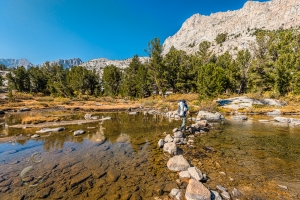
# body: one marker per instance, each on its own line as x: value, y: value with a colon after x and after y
x: 119, y: 159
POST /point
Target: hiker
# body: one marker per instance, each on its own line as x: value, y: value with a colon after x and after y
x: 182, y: 111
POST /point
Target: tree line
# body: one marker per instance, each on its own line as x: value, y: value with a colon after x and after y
x: 273, y: 67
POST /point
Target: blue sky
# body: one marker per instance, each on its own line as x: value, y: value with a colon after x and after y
x: 47, y: 30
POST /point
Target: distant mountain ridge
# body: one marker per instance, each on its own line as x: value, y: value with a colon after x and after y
x: 66, y: 63
x: 97, y: 64
x: 10, y: 63
x: 238, y: 24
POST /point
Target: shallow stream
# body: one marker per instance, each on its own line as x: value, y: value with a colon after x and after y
x: 119, y: 159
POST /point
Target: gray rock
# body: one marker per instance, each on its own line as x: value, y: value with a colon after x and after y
x: 24, y: 109
x: 175, y: 129
x: 79, y: 132
x: 178, y: 140
x: 282, y: 119
x: 295, y: 121
x: 273, y: 102
x: 132, y: 113
x: 87, y: 116
x: 161, y: 143
x: 225, y: 195
x: 215, y: 195
x: 176, y: 194
x: 283, y: 187
x: 46, y: 130
x: 221, y: 188
x: 178, y: 134
x: 171, y: 148
x: 35, y: 136
x: 236, y: 193
x: 195, y: 173
x: 274, y: 112
x: 204, y: 115
x: 168, y: 138
x: 185, y: 175
x: 197, y: 191
x: 113, y: 175
x: 178, y: 163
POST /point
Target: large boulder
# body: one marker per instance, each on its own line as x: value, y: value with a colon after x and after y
x: 178, y: 163
x: 171, y: 148
x: 197, y: 191
x: 204, y: 115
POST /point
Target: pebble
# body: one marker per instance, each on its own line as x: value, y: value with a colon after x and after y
x: 223, y: 173
x: 221, y: 188
x: 283, y: 187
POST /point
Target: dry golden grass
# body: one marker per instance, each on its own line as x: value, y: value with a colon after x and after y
x: 39, y: 119
x: 176, y: 97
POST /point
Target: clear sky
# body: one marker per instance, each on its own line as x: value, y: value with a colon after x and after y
x: 47, y: 30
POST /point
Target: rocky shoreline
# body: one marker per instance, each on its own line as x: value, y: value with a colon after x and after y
x: 193, y: 176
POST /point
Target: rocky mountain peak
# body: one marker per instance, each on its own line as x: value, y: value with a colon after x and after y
x: 238, y: 24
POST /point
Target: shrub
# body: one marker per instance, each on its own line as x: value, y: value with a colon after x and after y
x: 221, y: 37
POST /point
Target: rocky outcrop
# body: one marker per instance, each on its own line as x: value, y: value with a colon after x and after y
x: 239, y: 24
x: 68, y: 63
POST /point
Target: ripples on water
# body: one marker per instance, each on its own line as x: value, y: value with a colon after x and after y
x: 119, y: 159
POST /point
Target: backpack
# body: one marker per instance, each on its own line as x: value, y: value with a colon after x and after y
x: 182, y: 108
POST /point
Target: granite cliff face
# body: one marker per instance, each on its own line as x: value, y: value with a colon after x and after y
x: 237, y: 24
x: 66, y: 63
x: 10, y: 63
x: 100, y: 63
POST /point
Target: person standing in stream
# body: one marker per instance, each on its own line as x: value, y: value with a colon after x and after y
x: 183, y: 110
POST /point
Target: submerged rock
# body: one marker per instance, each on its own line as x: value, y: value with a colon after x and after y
x: 236, y: 193
x: 79, y: 132
x: 225, y: 195
x: 197, y: 191
x: 178, y: 163
x: 24, y: 109
x: 239, y: 117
